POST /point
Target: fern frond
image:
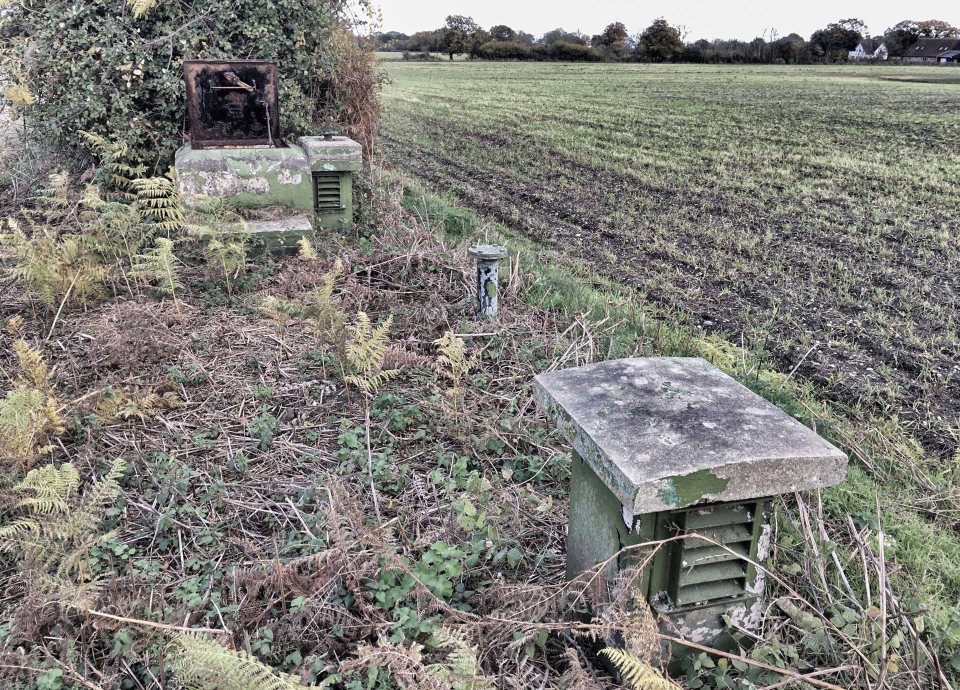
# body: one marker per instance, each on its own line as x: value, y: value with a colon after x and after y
x: 29, y: 414
x: 160, y: 266
x: 140, y: 404
x: 16, y: 325
x: 160, y: 203
x: 54, y: 268
x: 16, y: 532
x: 19, y: 95
x: 113, y: 169
x: 461, y: 668
x: 142, y: 8
x: 365, y: 353
x: 322, y: 312
x: 639, y: 674
x: 48, y: 489
x: 34, y: 371
x: 306, y: 249
x: 84, y: 518
x: 201, y: 664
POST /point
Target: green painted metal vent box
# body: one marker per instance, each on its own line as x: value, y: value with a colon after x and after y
x: 673, y: 451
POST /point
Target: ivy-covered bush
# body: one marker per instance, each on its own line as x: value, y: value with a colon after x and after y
x: 113, y: 67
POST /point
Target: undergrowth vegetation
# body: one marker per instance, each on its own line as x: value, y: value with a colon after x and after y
x: 323, y: 471
x: 59, y: 56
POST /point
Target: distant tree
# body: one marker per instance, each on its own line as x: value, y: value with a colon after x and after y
x: 562, y: 36
x: 504, y: 50
x: 698, y: 51
x: 660, y: 41
x: 525, y: 38
x: 392, y: 40
x: 834, y: 42
x: 936, y: 28
x: 458, y: 36
x: 502, y: 32
x: 423, y: 42
x: 901, y: 36
x: 614, y: 33
x: 855, y: 26
x: 789, y: 49
x: 479, y: 38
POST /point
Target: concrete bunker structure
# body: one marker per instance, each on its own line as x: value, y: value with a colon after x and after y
x: 673, y: 447
x: 236, y: 155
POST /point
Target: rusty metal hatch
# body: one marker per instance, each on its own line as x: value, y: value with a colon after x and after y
x: 232, y: 103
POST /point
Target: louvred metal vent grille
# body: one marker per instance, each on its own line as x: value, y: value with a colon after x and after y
x: 327, y: 189
x: 706, y: 573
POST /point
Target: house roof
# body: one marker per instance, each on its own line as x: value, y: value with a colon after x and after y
x: 932, y: 47
x: 870, y: 45
x: 950, y: 54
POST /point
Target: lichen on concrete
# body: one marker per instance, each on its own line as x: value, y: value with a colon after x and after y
x: 248, y: 177
x: 664, y: 433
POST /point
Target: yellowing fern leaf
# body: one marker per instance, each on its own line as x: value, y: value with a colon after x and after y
x: 202, y: 664
x: 453, y: 364
x: 160, y: 266
x: 54, y: 526
x: 55, y: 269
x: 159, y: 201
x: 19, y: 95
x: 29, y: 414
x: 639, y: 674
x: 322, y: 312
x: 306, y: 249
x: 365, y: 352
x: 142, y: 8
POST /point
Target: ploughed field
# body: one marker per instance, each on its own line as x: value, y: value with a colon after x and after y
x: 810, y: 212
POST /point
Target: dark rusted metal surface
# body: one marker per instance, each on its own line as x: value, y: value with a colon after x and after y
x: 232, y: 103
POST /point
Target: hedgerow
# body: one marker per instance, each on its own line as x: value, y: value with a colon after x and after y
x: 113, y: 68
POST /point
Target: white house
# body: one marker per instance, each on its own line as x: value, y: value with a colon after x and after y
x: 870, y: 49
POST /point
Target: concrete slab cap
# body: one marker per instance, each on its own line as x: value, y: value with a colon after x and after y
x: 487, y: 252
x: 669, y: 432
x: 337, y: 153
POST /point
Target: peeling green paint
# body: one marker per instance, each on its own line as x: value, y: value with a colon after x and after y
x: 688, y: 489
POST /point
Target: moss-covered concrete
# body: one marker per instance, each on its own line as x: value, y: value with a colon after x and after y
x: 667, y: 432
x: 248, y: 177
x: 270, y: 176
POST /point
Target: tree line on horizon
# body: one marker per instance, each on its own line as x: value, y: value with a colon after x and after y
x: 659, y: 42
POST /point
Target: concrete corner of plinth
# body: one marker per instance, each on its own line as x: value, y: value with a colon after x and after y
x: 334, y: 154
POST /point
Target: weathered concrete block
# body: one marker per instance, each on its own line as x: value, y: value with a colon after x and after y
x: 248, y: 177
x: 665, y: 433
x: 672, y: 450
x: 335, y: 153
x: 315, y: 175
x: 278, y: 236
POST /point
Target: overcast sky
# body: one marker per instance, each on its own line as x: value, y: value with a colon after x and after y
x: 744, y: 19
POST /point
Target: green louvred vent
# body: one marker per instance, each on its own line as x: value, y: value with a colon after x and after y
x: 705, y: 574
x: 327, y: 191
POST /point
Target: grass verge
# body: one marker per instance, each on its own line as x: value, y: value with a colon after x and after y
x: 896, y: 499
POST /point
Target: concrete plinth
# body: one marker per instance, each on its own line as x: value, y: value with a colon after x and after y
x: 665, y: 433
x: 673, y: 451
x: 315, y: 175
x: 247, y: 177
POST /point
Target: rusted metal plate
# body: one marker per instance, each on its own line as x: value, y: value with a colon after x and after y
x: 232, y: 103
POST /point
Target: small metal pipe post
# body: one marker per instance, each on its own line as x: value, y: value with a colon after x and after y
x: 488, y: 273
